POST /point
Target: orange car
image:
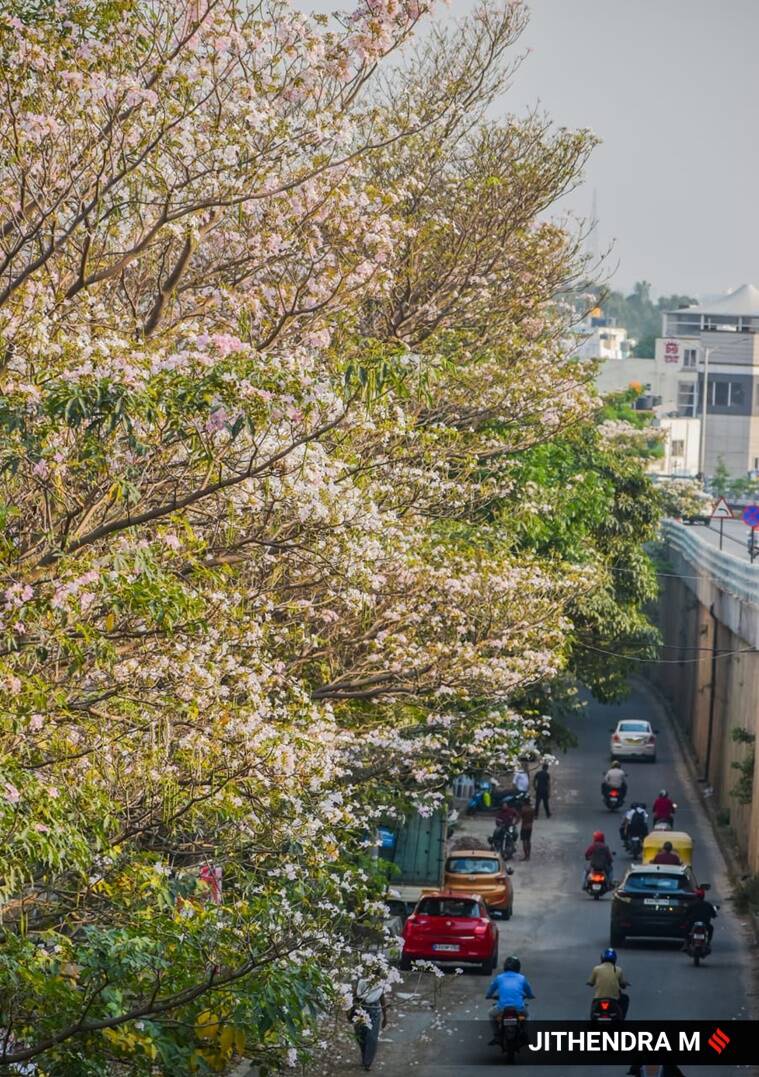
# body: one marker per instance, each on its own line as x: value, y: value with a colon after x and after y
x: 481, y: 871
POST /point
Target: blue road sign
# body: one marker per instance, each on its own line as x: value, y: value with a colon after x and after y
x: 751, y: 515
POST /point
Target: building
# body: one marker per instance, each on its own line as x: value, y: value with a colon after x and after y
x: 599, y: 338
x: 658, y: 384
x: 717, y: 344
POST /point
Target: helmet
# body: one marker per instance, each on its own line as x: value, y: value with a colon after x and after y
x: 609, y: 955
x: 512, y: 964
x: 614, y: 763
x: 663, y: 793
x: 598, y: 835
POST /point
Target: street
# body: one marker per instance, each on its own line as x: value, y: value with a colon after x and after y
x: 735, y: 537
x: 559, y: 933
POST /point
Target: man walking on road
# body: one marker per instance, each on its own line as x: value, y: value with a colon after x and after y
x: 525, y: 832
x: 542, y: 783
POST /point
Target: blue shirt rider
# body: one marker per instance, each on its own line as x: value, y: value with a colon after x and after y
x: 511, y: 990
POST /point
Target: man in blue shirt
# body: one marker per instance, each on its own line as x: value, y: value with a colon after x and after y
x: 510, y: 990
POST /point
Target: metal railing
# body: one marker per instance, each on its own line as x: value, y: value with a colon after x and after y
x: 728, y: 572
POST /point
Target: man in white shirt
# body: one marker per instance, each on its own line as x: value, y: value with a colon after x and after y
x: 370, y: 1001
x: 521, y: 779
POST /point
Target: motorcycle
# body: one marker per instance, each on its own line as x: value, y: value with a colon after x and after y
x: 606, y: 1010
x: 481, y: 800
x: 504, y: 840
x: 635, y: 846
x: 613, y: 798
x: 697, y: 945
x: 513, y: 1032
x: 596, y: 884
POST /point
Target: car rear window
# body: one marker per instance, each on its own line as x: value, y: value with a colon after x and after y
x: 633, y: 727
x: 662, y: 883
x: 472, y: 865
x: 448, y: 907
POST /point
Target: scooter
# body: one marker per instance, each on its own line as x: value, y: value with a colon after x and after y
x: 665, y: 822
x: 481, y: 800
x: 597, y: 884
x: 606, y: 1010
x: 513, y: 1032
x: 613, y: 798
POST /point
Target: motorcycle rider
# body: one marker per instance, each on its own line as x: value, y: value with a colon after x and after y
x: 510, y: 989
x: 635, y: 823
x: 608, y: 981
x: 615, y: 778
x: 666, y: 855
x: 701, y: 911
x: 664, y: 808
x: 598, y: 855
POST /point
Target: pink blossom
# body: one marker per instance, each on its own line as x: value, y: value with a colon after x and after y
x: 11, y: 793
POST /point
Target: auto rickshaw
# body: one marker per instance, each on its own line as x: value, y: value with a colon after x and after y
x: 682, y: 844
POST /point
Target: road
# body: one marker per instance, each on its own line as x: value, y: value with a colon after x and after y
x: 559, y: 932
x: 735, y: 538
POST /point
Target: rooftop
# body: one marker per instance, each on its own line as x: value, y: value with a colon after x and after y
x: 744, y: 301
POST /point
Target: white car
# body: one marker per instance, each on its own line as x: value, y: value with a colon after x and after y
x: 633, y: 738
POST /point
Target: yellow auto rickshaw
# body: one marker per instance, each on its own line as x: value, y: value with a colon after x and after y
x: 682, y: 844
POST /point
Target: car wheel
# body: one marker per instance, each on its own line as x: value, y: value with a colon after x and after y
x: 487, y: 967
x: 405, y: 963
x: 507, y: 913
x: 616, y: 937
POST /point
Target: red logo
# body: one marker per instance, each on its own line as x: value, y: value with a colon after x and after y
x: 718, y: 1041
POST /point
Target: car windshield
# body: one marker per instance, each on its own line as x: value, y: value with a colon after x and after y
x: 643, y: 884
x: 472, y: 865
x: 448, y: 907
x: 633, y: 727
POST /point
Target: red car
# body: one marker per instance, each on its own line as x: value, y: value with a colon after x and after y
x: 448, y: 926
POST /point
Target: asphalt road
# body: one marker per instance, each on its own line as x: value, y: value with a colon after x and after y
x: 734, y: 539
x: 558, y: 932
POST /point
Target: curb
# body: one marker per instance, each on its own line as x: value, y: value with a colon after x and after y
x: 736, y: 868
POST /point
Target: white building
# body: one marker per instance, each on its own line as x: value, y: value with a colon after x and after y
x: 599, y: 338
x: 717, y: 344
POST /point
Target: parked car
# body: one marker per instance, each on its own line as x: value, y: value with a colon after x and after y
x: 449, y: 926
x: 633, y: 738
x: 483, y: 872
x: 652, y: 901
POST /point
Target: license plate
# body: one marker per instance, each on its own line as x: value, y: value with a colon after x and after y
x: 448, y: 946
x: 658, y: 904
x: 596, y: 886
x: 635, y: 740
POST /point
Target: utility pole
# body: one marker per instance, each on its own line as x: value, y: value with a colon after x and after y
x: 702, y: 444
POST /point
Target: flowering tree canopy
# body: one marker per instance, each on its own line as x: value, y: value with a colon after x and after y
x: 277, y: 329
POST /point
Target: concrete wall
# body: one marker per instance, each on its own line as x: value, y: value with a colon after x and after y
x: 690, y: 629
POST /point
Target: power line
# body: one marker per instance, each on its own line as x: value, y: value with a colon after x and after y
x: 666, y: 661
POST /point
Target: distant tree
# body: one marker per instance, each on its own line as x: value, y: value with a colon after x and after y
x: 640, y: 315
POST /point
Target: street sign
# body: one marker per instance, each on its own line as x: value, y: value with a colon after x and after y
x: 722, y: 510
x: 751, y: 515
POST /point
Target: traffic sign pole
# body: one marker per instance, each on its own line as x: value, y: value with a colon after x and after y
x: 721, y: 526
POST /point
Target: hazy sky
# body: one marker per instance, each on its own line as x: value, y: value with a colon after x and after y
x: 672, y: 88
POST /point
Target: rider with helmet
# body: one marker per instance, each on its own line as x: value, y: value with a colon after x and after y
x: 510, y: 989
x: 608, y: 981
x: 598, y: 855
x: 664, y: 808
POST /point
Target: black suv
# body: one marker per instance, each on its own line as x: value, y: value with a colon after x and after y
x: 653, y: 900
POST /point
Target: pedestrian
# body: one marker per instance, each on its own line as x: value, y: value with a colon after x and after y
x: 542, y: 783
x: 525, y: 832
x: 521, y: 779
x: 369, y: 1015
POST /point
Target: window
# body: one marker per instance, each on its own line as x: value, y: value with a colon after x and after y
x: 727, y: 394
x: 469, y: 865
x: 686, y: 398
x: 634, y: 727
x: 663, y: 883
x: 690, y: 356
x: 678, y: 447
x: 448, y: 907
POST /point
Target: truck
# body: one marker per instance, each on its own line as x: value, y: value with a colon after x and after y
x: 417, y: 848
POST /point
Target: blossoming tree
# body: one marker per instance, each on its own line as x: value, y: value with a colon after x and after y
x: 274, y: 335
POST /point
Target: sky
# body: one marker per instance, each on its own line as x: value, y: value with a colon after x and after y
x: 672, y: 89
